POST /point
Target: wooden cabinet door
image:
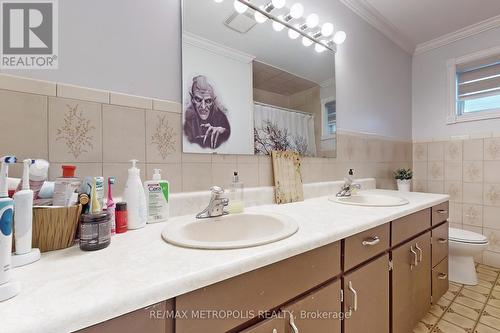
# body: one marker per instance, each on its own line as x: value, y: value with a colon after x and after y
x: 440, y: 283
x: 411, y: 283
x: 275, y: 325
x: 367, y: 289
x: 317, y: 312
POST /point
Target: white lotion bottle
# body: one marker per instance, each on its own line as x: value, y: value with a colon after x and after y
x: 23, y: 222
x: 157, y: 198
x: 135, y: 198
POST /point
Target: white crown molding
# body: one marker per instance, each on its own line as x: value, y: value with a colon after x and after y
x: 216, y: 48
x: 471, y: 30
x: 379, y: 22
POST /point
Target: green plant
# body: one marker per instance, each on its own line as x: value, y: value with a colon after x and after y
x: 403, y: 174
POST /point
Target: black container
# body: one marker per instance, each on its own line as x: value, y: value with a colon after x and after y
x: 95, y: 231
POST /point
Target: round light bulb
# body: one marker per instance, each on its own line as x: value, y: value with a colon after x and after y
x: 312, y: 21
x: 278, y: 3
x: 327, y: 29
x: 218, y: 1
x: 306, y: 41
x: 339, y: 37
x: 277, y: 26
x: 293, y: 34
x: 240, y: 7
x: 297, y: 11
x: 319, y: 47
x: 259, y: 17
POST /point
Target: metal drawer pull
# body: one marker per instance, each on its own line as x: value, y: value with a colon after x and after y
x: 353, y: 307
x: 442, y: 241
x: 415, y: 258
x: 420, y: 253
x: 442, y: 276
x: 442, y: 211
x: 275, y: 330
x: 371, y: 241
x: 292, y: 324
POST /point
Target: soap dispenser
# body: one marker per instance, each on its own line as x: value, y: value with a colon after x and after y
x: 135, y: 198
x: 23, y: 222
x: 8, y: 289
x: 236, y: 204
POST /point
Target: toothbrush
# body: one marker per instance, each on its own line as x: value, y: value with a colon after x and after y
x: 110, y: 204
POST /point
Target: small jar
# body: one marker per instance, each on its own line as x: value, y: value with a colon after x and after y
x: 95, y: 231
x: 121, y: 217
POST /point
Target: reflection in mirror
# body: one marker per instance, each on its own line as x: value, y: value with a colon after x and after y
x: 249, y: 87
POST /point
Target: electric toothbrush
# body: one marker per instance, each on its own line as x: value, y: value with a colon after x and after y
x: 8, y: 289
x: 23, y: 222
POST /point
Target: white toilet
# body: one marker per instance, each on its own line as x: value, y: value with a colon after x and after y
x: 464, y: 245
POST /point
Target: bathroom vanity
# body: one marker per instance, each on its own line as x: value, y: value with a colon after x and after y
x: 387, y: 276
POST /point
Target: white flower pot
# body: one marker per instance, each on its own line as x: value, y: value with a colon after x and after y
x: 404, y: 185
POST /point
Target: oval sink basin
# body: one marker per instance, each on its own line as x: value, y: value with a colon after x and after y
x: 371, y: 200
x: 231, y: 231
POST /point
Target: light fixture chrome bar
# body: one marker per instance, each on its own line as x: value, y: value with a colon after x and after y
x: 328, y: 46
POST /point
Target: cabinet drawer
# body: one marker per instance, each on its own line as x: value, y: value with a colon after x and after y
x: 365, y: 245
x: 409, y: 226
x: 150, y: 319
x: 260, y: 290
x: 317, y: 312
x: 440, y: 283
x: 439, y: 243
x: 276, y: 325
x: 440, y: 213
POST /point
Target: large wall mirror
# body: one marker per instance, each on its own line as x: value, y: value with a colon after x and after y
x: 250, y: 88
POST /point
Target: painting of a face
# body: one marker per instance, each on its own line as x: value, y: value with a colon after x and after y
x: 203, y: 102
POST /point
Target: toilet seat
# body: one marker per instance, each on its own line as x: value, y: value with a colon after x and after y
x: 466, y: 236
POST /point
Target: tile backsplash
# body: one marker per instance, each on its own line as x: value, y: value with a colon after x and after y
x: 100, y: 131
x: 469, y: 171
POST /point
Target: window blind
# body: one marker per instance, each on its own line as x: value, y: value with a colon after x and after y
x: 479, y: 78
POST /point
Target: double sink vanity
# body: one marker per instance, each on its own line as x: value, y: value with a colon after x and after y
x: 322, y: 265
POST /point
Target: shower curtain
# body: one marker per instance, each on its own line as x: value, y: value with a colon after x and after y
x: 283, y: 129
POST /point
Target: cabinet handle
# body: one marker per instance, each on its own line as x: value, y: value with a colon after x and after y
x: 415, y: 258
x: 420, y: 253
x: 371, y: 241
x: 275, y: 330
x: 442, y: 211
x: 353, y: 307
x: 292, y: 324
x: 442, y: 241
x: 442, y: 276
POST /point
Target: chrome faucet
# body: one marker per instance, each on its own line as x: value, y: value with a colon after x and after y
x: 216, y: 205
x: 349, y: 185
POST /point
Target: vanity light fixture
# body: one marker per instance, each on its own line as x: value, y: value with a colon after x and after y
x: 239, y: 6
x: 293, y: 34
x: 277, y: 26
x: 319, y: 47
x: 312, y: 21
x: 306, y: 41
x: 327, y: 29
x: 296, y: 12
x: 259, y: 17
x: 218, y: 1
x: 339, y: 37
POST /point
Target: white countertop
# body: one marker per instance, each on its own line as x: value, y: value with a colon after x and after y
x: 70, y: 289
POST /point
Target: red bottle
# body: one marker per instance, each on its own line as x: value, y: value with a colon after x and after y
x: 121, y: 217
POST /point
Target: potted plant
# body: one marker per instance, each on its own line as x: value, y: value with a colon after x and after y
x: 403, y: 178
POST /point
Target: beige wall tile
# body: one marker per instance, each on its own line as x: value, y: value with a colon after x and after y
x: 492, y: 194
x: 436, y: 151
x: 492, y: 171
x: 120, y: 172
x: 473, y: 193
x: 247, y: 159
x: 81, y: 93
x: 196, y: 177
x: 23, y: 125
x: 491, y: 217
x: 420, y: 185
x: 453, y: 151
x: 492, y: 149
x: 265, y: 171
x: 420, y: 152
x: 435, y: 186
x: 436, y: 170
x: 123, y: 134
x: 493, y: 238
x: 453, y: 170
x: 222, y: 174
x: 454, y: 190
x: 491, y: 259
x: 20, y: 84
x: 163, y: 105
x: 130, y: 101
x: 473, y: 171
x: 224, y: 159
x: 473, y: 150
x: 170, y: 171
x: 163, y: 137
x: 75, y: 132
x: 473, y: 215
x: 456, y: 213
x: 249, y: 174
x: 82, y: 169
x: 196, y: 158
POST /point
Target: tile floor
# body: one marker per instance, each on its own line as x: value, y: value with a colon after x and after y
x: 467, y: 309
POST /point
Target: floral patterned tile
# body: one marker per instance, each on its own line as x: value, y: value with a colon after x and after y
x: 475, y: 296
x: 469, y: 302
x: 459, y: 320
x: 422, y: 328
x: 446, y: 327
x: 485, y: 329
x: 463, y: 311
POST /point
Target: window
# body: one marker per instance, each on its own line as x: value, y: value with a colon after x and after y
x: 475, y: 86
x: 329, y: 118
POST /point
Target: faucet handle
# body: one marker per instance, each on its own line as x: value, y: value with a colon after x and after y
x: 217, y: 190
